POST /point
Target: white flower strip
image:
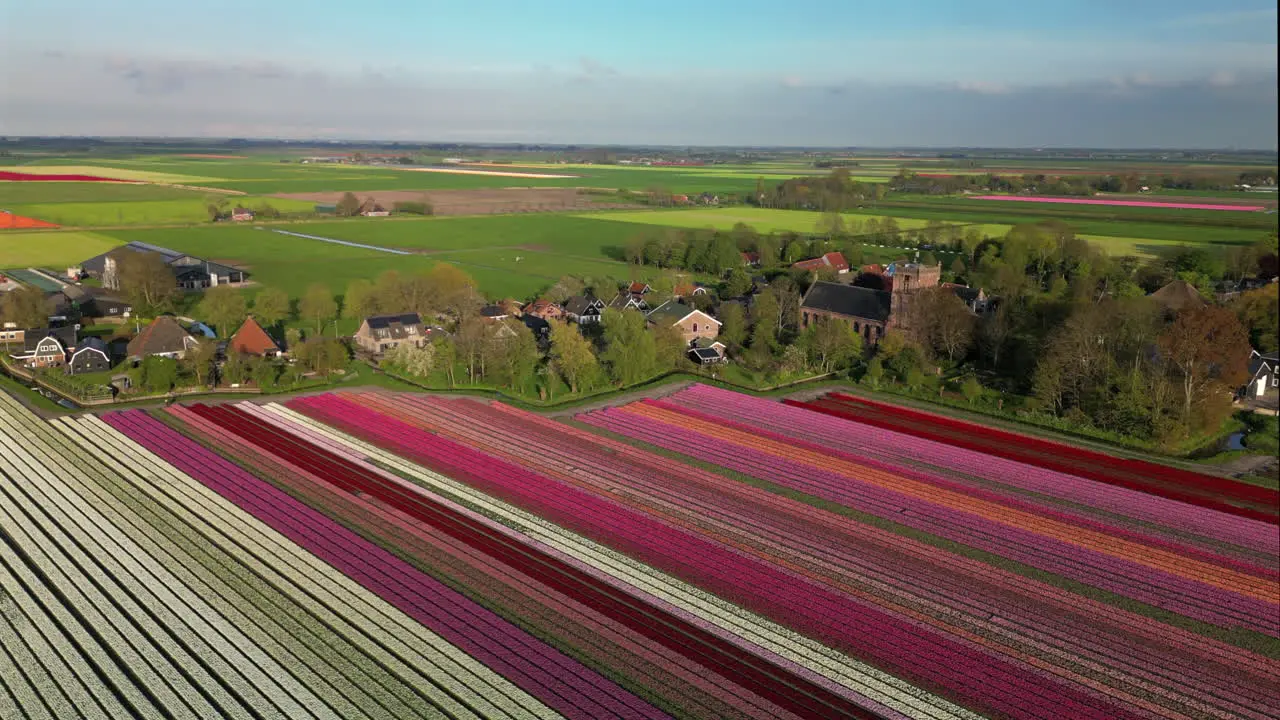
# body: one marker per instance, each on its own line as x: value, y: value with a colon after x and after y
x: 392, y: 638
x: 731, y: 622
x: 24, y: 623
x: 270, y: 622
x: 239, y: 676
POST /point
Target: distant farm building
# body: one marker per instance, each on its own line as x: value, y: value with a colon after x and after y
x: 190, y: 272
x: 241, y: 214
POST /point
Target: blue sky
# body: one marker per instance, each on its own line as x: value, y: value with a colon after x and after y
x: 805, y: 72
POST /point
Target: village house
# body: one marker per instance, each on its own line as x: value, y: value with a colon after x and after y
x: 1179, y: 295
x: 45, y: 347
x: 830, y: 261
x: 164, y: 337
x: 370, y: 208
x: 974, y: 298
x: 686, y: 290
x: 751, y: 259
x: 189, y: 272
x: 584, y: 309
x: 628, y: 301
x: 707, y: 351
x: 693, y: 324
x: 1264, y: 377
x: 511, y: 306
x: 90, y: 355
x: 241, y: 214
x: 494, y: 313
x: 540, y: 328
x: 252, y: 339
x: 379, y: 333
x: 867, y: 310
x: 98, y: 303
x: 544, y: 309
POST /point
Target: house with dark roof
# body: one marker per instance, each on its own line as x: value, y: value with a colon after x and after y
x: 584, y: 309
x: 95, y: 302
x: 830, y: 261
x: 1264, y: 376
x: 540, y: 328
x: 252, y: 339
x: 693, y: 323
x: 46, y: 347
x: 164, y: 337
x: 628, y: 301
x: 974, y: 298
x: 379, y: 333
x: 867, y: 310
x: 90, y: 355
x: 494, y: 313
x: 707, y: 351
x: 189, y: 272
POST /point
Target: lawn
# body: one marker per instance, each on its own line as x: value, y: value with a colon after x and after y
x: 27, y: 193
x: 52, y: 248
x: 146, y: 212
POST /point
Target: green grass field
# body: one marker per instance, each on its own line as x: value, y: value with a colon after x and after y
x: 53, y: 249
x: 145, y: 212
x: 27, y: 193
x: 763, y: 220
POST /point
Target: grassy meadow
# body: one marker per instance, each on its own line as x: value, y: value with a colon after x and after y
x: 28, y: 193
x: 145, y: 212
x: 53, y: 249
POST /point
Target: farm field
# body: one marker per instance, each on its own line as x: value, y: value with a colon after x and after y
x: 146, y: 212
x: 23, y: 193
x: 1120, y: 202
x: 112, y: 172
x: 377, y: 554
x: 56, y: 250
x: 764, y: 220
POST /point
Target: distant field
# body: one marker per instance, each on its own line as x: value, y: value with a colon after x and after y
x: 113, y: 172
x: 22, y: 193
x: 144, y: 212
x: 762, y: 219
x: 53, y: 249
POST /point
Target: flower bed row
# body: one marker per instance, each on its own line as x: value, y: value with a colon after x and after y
x: 859, y: 627
x: 1185, y: 486
x: 1135, y: 658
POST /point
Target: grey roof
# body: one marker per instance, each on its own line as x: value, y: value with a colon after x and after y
x: 92, y: 342
x: 163, y: 335
x: 705, y: 342
x: 670, y: 311
x: 583, y: 305
x: 847, y: 300
x: 382, y: 322
x: 705, y: 353
x: 493, y: 311
x: 1258, y: 360
x: 536, y: 324
x: 181, y: 263
x: 65, y: 335
x: 967, y: 294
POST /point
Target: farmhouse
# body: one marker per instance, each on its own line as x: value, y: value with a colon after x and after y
x: 190, y: 273
x: 251, y: 339
x: 639, y: 288
x: 380, y: 333
x: 164, y: 337
x: 974, y: 298
x: 693, y: 323
x: 830, y: 261
x: 1264, y: 376
x: 90, y: 355
x: 370, y: 208
x: 867, y: 310
x: 1179, y: 295
x: 241, y: 214
x: 628, y: 301
x: 46, y: 347
x: 751, y: 259
x: 686, y: 290
x: 544, y: 309
x: 494, y: 313
x: 93, y: 302
x: 584, y: 309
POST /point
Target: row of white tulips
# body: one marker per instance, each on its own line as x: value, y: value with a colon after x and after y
x: 854, y: 679
x: 453, y: 681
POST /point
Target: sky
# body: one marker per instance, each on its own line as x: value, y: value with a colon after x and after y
x: 945, y: 73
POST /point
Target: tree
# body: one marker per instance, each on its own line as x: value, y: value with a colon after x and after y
x: 938, y: 319
x: 764, y: 318
x: 630, y: 351
x: 199, y: 361
x: 360, y: 300
x: 412, y: 359
x: 446, y: 356
x: 875, y: 372
x: 736, y: 284
x: 264, y: 373
x: 1259, y: 312
x: 971, y: 389
x: 348, y: 206
x: 146, y: 281
x: 271, y: 306
x: 1209, y: 349
x: 470, y: 339
x: 223, y: 307
x: 318, y: 306
x: 159, y: 374
x: 25, y: 307
x: 914, y: 378
x: 236, y: 368
x: 453, y: 291
x: 831, y: 343
x: 322, y: 355
x: 733, y: 327
x: 670, y: 346
x: 512, y: 354
x: 572, y: 354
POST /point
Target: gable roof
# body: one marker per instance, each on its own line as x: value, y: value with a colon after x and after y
x: 639, y: 288
x: 673, y: 311
x: 1263, y: 363
x: 494, y: 312
x: 624, y: 300
x: 833, y: 260
x: 65, y: 335
x: 848, y: 300
x: 163, y: 335
x: 92, y: 343
x: 583, y: 305
x: 252, y: 339
x: 1179, y: 295
x: 396, y: 327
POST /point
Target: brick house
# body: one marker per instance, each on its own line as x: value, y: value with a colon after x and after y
x: 46, y: 347
x: 252, y: 339
x: 867, y: 310
x: 241, y: 214
x: 830, y: 261
x: 693, y: 324
x: 379, y: 333
x: 544, y: 309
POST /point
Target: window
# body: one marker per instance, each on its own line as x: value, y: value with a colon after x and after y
x: 695, y: 327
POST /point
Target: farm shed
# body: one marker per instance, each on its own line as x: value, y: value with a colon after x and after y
x: 90, y: 355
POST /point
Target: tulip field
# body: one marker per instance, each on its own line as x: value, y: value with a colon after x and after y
x: 704, y: 555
